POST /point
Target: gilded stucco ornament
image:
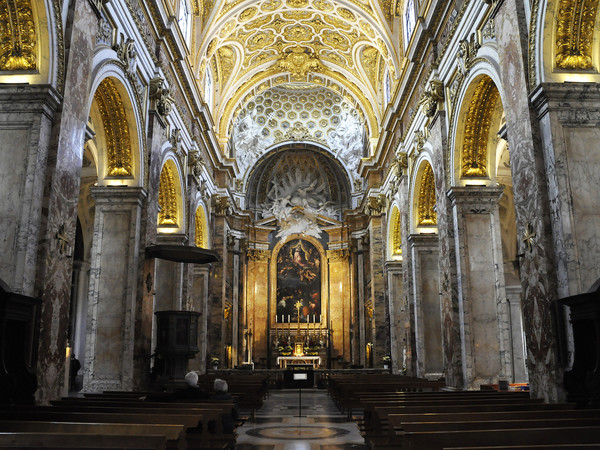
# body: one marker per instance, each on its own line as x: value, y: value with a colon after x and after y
x: 258, y: 255
x: 299, y: 62
x: 467, y: 52
x: 529, y: 236
x: 222, y: 205
x: 167, y: 197
x: 375, y: 205
x: 427, y: 215
x: 575, y: 23
x: 18, y: 39
x: 196, y: 164
x: 126, y: 52
x: 161, y: 97
x: 431, y: 97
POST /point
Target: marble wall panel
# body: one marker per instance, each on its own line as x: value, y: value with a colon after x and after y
x: 378, y: 295
x: 399, y: 317
x: 538, y: 266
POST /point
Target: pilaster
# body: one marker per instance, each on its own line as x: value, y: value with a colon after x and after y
x: 380, y: 323
x: 428, y: 314
x: 538, y: 264
x: 113, y: 289
x: 485, y: 331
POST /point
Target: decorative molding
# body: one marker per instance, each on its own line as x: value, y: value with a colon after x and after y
x: 126, y: 52
x: 529, y: 236
x: 258, y: 255
x: 18, y: 40
x: 116, y: 129
x: 200, y: 235
x: 337, y: 255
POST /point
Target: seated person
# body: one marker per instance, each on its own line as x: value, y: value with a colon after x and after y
x: 221, y: 394
x: 190, y: 393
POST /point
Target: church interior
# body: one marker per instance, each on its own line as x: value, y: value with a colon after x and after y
x: 406, y: 187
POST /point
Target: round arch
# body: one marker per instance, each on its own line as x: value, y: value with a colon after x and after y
x: 473, y: 142
x: 201, y: 227
x: 423, y: 217
x: 171, y: 216
x: 394, y: 241
x: 117, y: 127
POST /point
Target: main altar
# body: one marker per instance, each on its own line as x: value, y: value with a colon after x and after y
x: 284, y: 361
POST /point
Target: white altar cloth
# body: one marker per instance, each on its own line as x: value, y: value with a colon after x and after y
x: 284, y: 361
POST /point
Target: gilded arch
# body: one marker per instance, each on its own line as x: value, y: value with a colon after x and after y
x: 18, y: 45
x: 168, y: 198
x: 574, y: 31
x: 426, y: 214
x: 117, y: 134
x: 201, y: 228
x: 395, y: 234
x: 474, y: 158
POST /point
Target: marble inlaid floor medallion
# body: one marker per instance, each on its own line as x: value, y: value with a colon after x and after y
x: 278, y: 427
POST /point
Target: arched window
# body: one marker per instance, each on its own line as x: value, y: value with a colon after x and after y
x: 410, y: 20
x: 185, y: 20
x: 208, y: 88
x: 387, y: 88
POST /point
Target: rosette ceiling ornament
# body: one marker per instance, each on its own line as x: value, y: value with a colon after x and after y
x: 342, y: 46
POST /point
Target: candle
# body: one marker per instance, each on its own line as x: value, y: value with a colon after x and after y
x: 289, y: 318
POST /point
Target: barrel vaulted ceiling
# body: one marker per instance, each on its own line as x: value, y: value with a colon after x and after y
x: 254, y: 46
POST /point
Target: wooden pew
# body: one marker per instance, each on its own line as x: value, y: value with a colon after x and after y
x: 174, y: 434
x: 78, y: 440
x: 438, y: 440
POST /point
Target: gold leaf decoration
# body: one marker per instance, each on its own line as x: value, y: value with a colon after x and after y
x: 477, y: 128
x: 248, y: 14
x: 17, y: 31
x: 396, y: 233
x: 226, y: 57
x: 297, y: 3
x: 299, y: 62
x: 116, y: 129
x: 201, y: 238
x: 167, y: 197
x: 271, y: 5
x: 323, y: 5
x: 575, y: 34
x: 426, y: 210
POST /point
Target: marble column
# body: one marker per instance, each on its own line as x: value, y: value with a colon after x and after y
x: 114, y: 277
x: 428, y: 314
x: 399, y: 315
x: 538, y: 264
x: 513, y: 305
x: 484, y: 322
x: 61, y: 196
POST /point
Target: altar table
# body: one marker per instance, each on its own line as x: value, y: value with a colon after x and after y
x: 284, y: 361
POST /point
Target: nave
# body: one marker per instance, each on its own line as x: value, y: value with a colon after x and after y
x: 278, y: 427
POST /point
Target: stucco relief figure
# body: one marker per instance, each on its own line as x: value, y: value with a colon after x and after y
x: 296, y: 201
x: 298, y: 280
x: 347, y: 140
x: 248, y: 140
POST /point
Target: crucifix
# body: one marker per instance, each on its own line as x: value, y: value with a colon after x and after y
x: 298, y: 305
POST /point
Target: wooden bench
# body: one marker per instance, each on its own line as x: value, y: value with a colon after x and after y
x: 175, y: 434
x: 438, y: 440
x: 79, y: 440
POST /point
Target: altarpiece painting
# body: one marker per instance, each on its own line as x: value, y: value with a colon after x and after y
x: 298, y: 283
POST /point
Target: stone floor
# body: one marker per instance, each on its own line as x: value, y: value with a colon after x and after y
x: 278, y: 427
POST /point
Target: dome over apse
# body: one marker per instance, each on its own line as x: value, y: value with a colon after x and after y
x: 299, y: 112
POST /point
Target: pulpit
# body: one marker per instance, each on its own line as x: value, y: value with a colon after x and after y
x: 582, y: 382
x: 19, y: 333
x: 177, y: 341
